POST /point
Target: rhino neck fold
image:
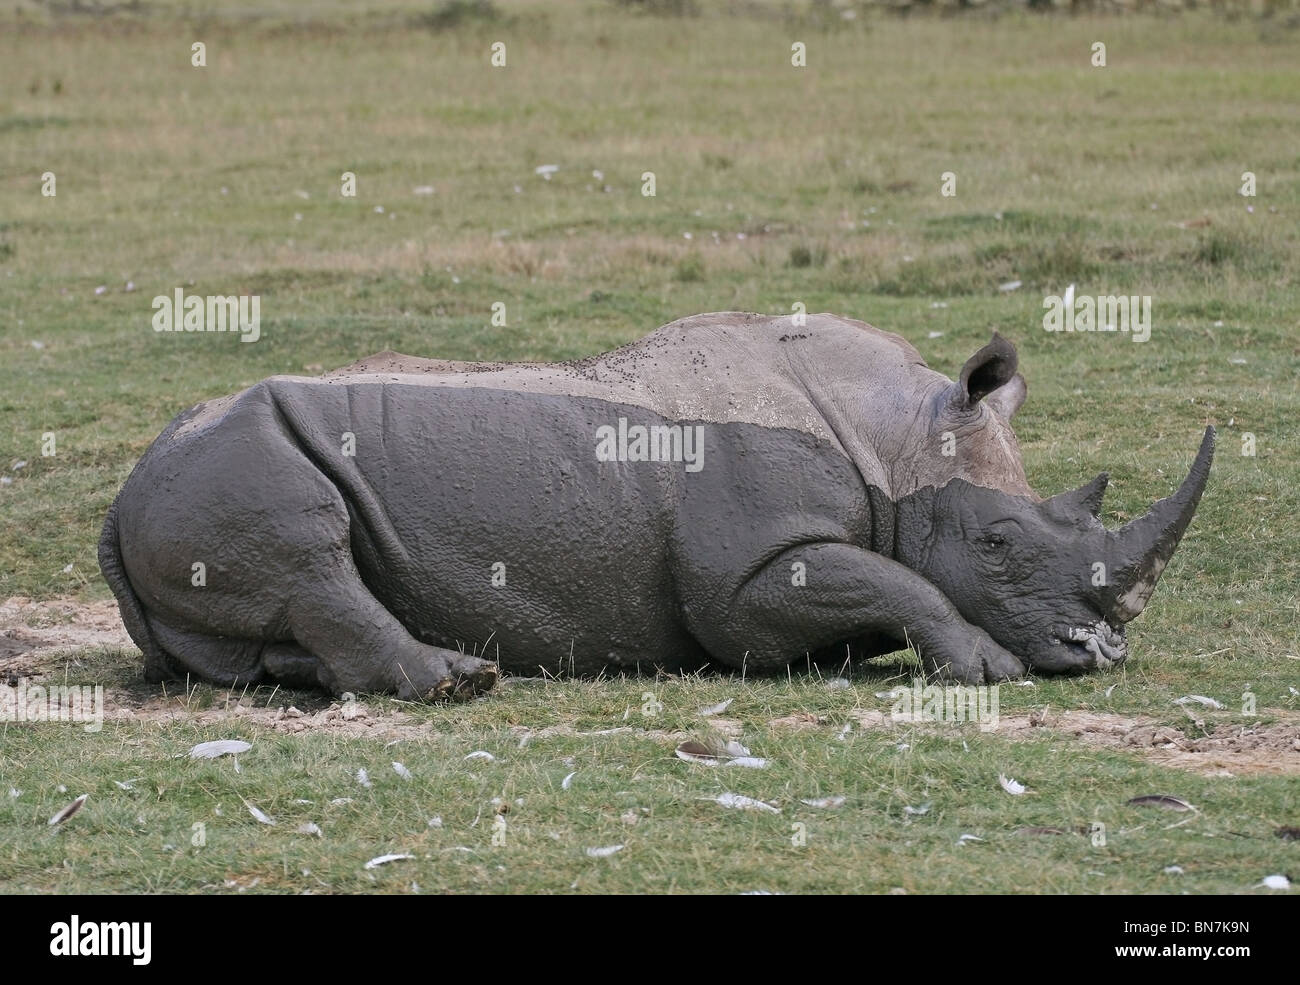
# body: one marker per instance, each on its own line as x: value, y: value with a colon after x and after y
x: 913, y: 527
x: 884, y: 523
x: 868, y: 452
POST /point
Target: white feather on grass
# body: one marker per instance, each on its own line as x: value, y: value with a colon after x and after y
x: 68, y: 811
x: 310, y: 828
x: 364, y: 778
x: 741, y: 802
x: 730, y: 753
x: 259, y: 814
x: 717, y: 709
x: 1012, y: 787
x: 824, y: 802
x: 482, y: 754
x: 379, y: 860
x: 219, y: 747
x: 401, y: 771
x: 568, y: 780
x: 1276, y: 882
x: 604, y: 852
x: 1199, y: 699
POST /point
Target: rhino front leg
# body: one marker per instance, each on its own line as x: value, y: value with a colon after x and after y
x: 816, y: 595
x: 361, y: 646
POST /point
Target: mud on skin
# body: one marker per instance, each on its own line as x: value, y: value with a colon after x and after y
x: 374, y: 529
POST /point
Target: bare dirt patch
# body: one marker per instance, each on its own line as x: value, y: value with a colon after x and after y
x: 60, y: 623
x: 1225, y: 749
x: 352, y: 719
x: 30, y: 629
x: 12, y: 648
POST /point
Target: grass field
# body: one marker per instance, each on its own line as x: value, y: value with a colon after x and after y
x: 775, y: 185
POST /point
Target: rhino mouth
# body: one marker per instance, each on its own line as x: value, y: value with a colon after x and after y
x: 1105, y: 644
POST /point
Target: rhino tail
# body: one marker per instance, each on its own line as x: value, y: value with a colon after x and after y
x: 156, y: 665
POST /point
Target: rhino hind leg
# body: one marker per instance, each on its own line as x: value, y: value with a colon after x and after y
x: 224, y: 660
x: 360, y: 646
x: 231, y: 661
x: 290, y: 665
x: 345, y: 640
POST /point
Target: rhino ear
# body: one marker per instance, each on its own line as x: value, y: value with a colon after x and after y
x: 1006, y: 399
x: 992, y: 367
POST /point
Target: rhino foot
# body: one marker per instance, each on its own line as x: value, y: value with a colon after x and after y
x: 975, y: 659
x: 464, y: 678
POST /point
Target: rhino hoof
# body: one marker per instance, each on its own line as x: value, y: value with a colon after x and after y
x: 441, y: 691
x: 463, y: 687
x: 480, y: 680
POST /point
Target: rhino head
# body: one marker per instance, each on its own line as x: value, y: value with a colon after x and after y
x: 1043, y: 577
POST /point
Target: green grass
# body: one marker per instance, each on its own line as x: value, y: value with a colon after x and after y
x: 680, y: 840
x: 822, y: 187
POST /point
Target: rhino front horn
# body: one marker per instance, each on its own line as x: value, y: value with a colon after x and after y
x: 1139, y: 551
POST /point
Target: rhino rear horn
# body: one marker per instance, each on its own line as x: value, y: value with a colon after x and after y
x: 1139, y: 551
x: 990, y: 368
x: 1087, y: 498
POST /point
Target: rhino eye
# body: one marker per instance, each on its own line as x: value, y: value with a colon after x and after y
x: 993, y: 542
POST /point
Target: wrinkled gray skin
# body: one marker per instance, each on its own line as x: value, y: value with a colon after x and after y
x: 826, y: 520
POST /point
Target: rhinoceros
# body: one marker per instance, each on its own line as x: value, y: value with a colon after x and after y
x: 733, y: 490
